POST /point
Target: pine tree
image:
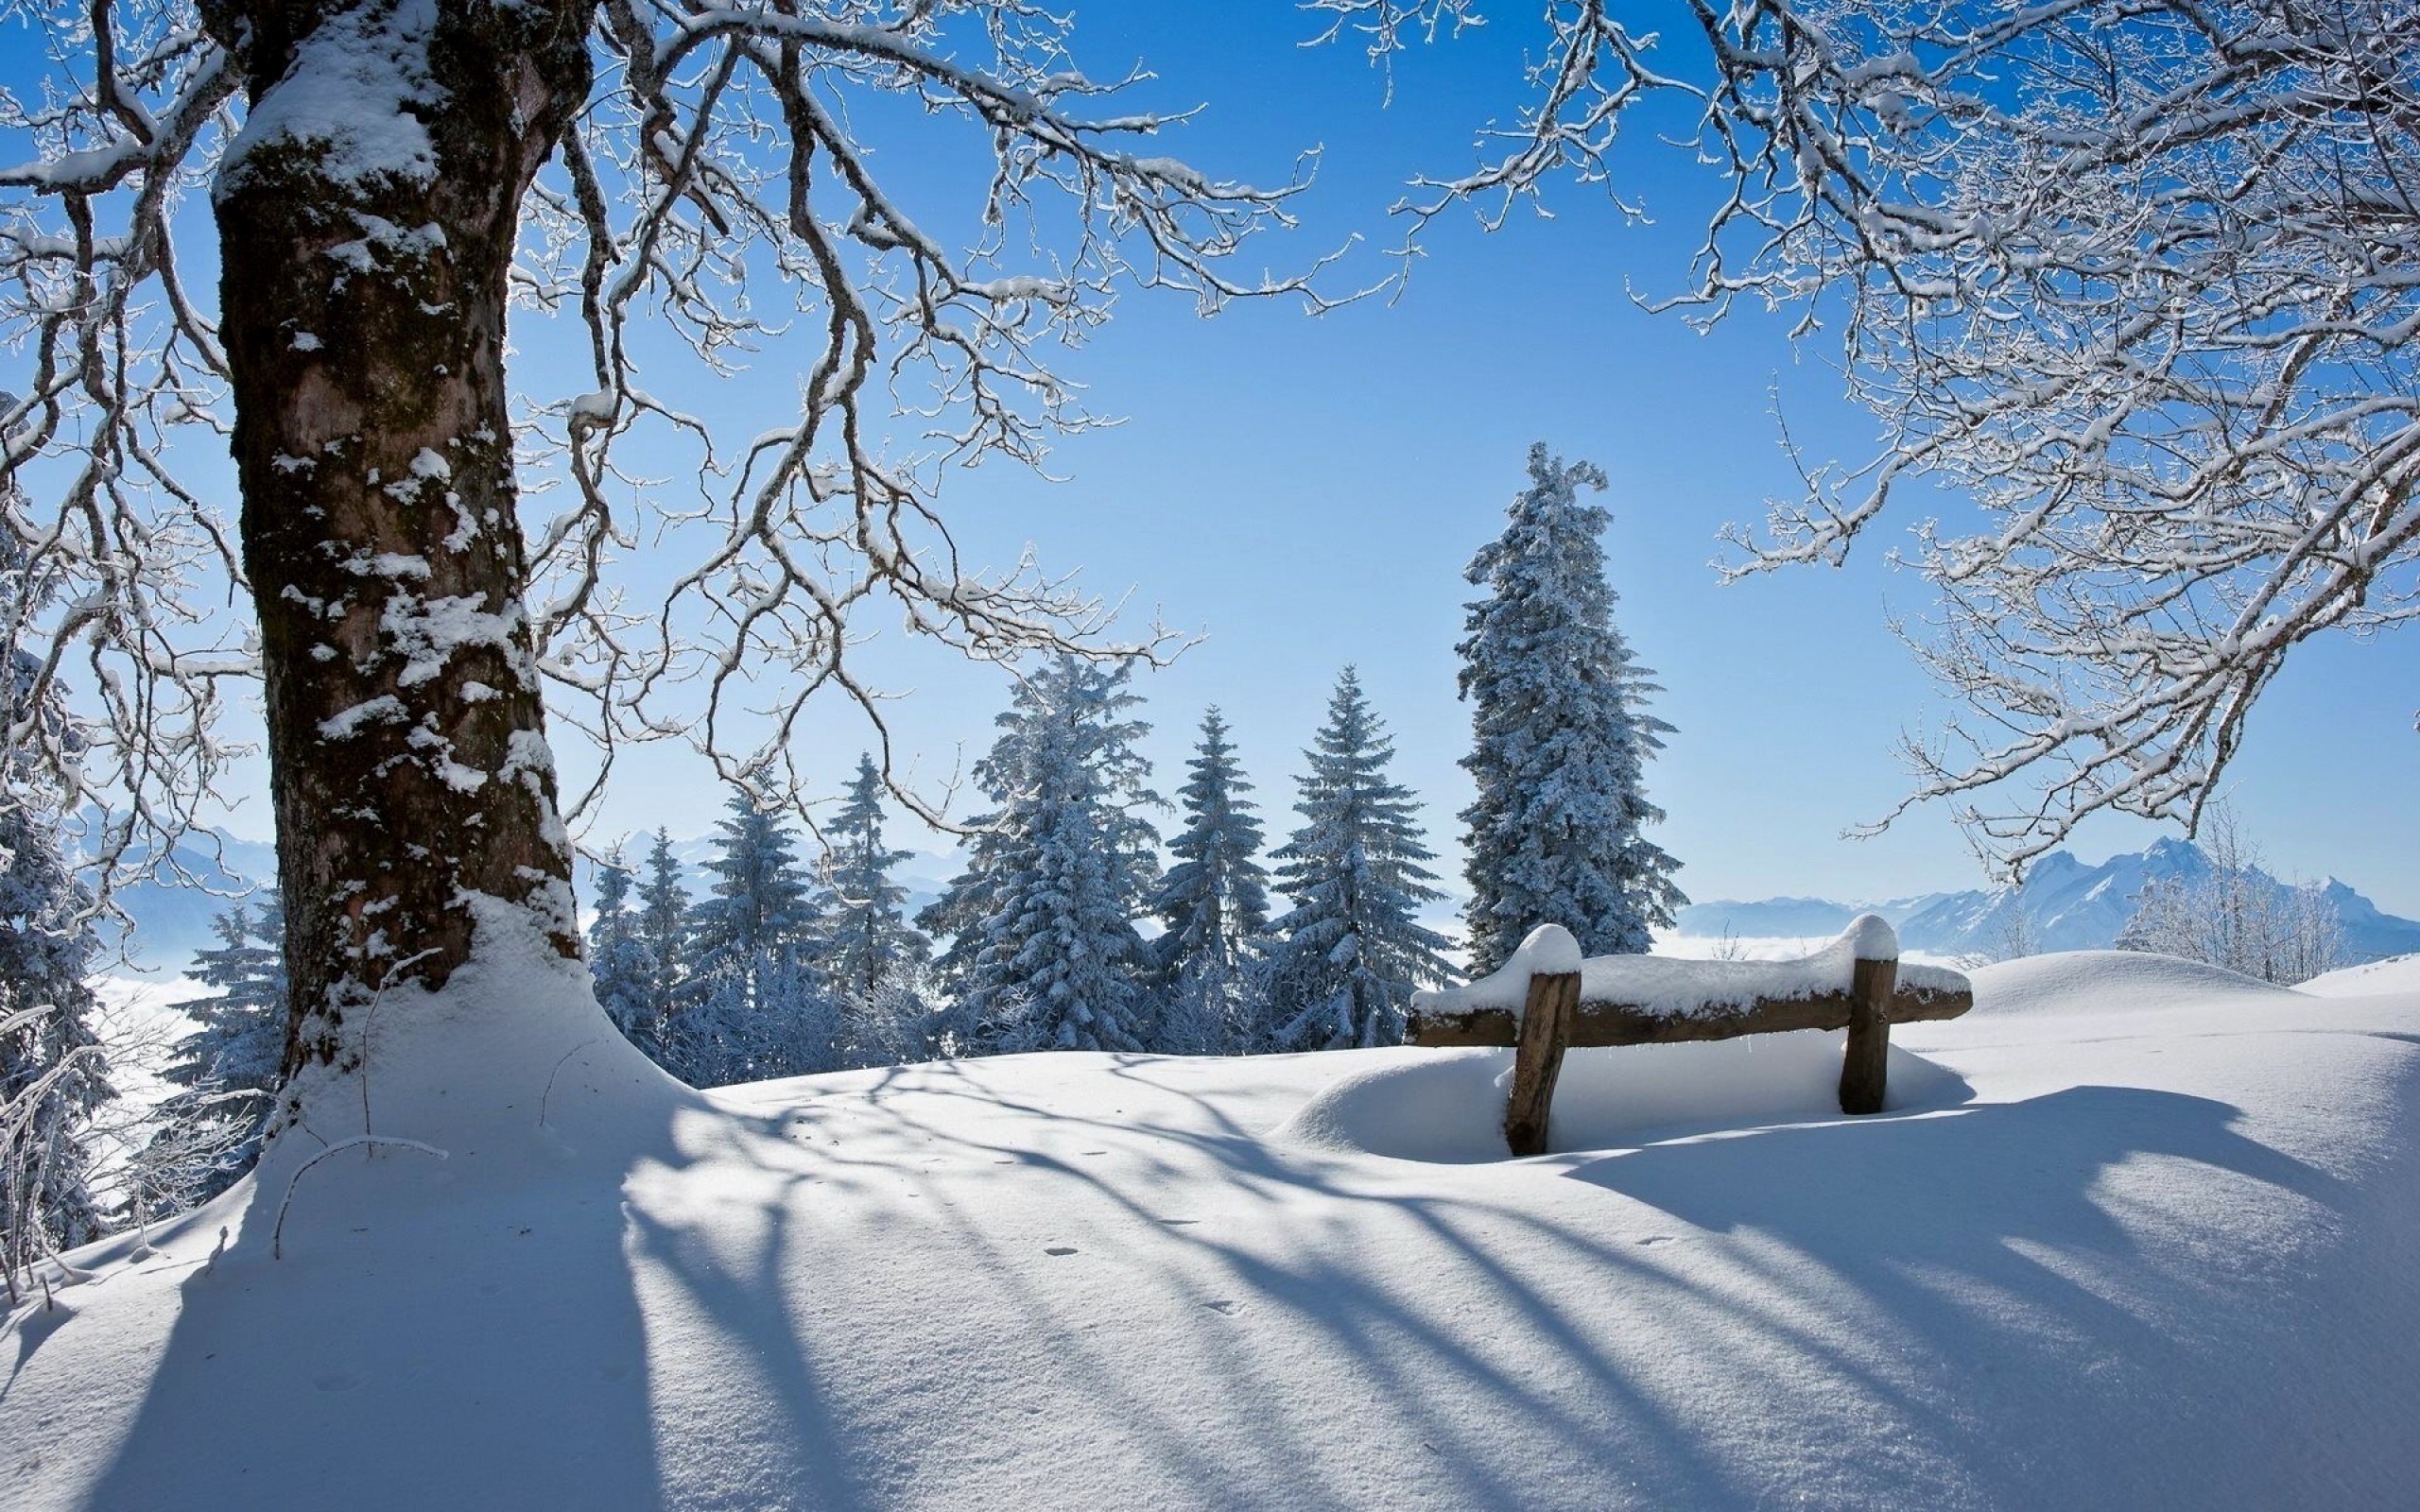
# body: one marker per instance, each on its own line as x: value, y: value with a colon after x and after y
x: 1046, y: 956
x: 621, y: 963
x: 52, y: 1071
x: 229, y: 1068
x: 874, y: 959
x: 1342, y: 966
x: 1212, y: 904
x: 1560, y: 736
x: 751, y: 1004
x: 663, y: 929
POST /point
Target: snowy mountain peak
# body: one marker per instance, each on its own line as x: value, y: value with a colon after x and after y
x: 2065, y: 906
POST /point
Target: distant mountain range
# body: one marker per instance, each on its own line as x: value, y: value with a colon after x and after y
x: 2067, y: 906
x: 171, y: 918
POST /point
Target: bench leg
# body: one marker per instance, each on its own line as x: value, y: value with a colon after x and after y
x: 1864, y: 1066
x: 1537, y: 1059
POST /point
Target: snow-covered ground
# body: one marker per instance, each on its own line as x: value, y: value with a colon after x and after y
x: 2399, y: 973
x: 139, y: 1023
x: 2135, y: 1233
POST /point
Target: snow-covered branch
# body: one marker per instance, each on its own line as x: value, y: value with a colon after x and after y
x: 720, y: 202
x: 117, y: 567
x: 2142, y: 280
x: 727, y: 158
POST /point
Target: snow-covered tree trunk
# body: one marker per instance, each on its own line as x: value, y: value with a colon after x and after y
x: 368, y: 215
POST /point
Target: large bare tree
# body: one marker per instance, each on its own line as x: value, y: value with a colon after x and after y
x: 387, y: 180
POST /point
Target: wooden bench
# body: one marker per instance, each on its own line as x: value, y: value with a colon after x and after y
x: 1855, y: 983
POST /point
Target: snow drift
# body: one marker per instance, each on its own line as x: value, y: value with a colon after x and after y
x: 2142, y: 1241
x: 1448, y: 1105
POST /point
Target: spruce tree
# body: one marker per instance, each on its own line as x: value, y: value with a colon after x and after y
x: 1046, y: 954
x: 1341, y: 967
x: 52, y: 1071
x: 663, y: 928
x: 1212, y: 902
x: 619, y: 960
x: 752, y: 1004
x: 228, y: 1069
x: 871, y: 957
x: 1561, y: 736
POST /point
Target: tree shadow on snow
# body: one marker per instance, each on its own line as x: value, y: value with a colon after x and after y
x: 1985, y: 1279
x: 506, y: 1350
x: 938, y: 1286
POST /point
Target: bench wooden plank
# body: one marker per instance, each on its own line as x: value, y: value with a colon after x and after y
x: 1600, y: 1024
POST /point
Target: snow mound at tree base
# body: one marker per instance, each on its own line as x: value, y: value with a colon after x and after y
x: 1448, y: 1105
x: 2150, y: 1259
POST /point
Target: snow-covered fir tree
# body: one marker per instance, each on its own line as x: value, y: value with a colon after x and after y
x: 210, y: 1130
x: 1212, y: 902
x: 873, y: 958
x: 1561, y: 736
x: 752, y: 1004
x: 52, y: 1071
x: 1046, y: 956
x: 663, y: 928
x: 619, y: 960
x: 1341, y: 968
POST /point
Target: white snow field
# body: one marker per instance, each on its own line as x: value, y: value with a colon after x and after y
x: 2135, y: 1233
x: 2399, y: 973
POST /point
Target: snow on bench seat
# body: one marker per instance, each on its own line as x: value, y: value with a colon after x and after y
x: 1629, y: 999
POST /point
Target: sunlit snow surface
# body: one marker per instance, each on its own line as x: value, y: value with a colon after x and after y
x: 2134, y: 1234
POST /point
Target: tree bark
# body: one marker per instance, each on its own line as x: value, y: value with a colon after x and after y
x: 363, y: 297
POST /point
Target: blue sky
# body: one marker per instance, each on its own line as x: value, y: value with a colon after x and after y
x: 1304, y: 493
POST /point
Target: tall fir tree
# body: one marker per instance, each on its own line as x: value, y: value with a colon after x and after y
x: 1046, y: 956
x: 874, y: 959
x: 1341, y: 968
x: 620, y: 962
x: 751, y: 1004
x: 663, y: 928
x: 1561, y: 736
x: 209, y: 1132
x: 1212, y: 902
x: 52, y: 1070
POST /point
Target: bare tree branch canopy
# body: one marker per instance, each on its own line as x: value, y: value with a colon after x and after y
x: 2140, y: 278
x: 429, y: 551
